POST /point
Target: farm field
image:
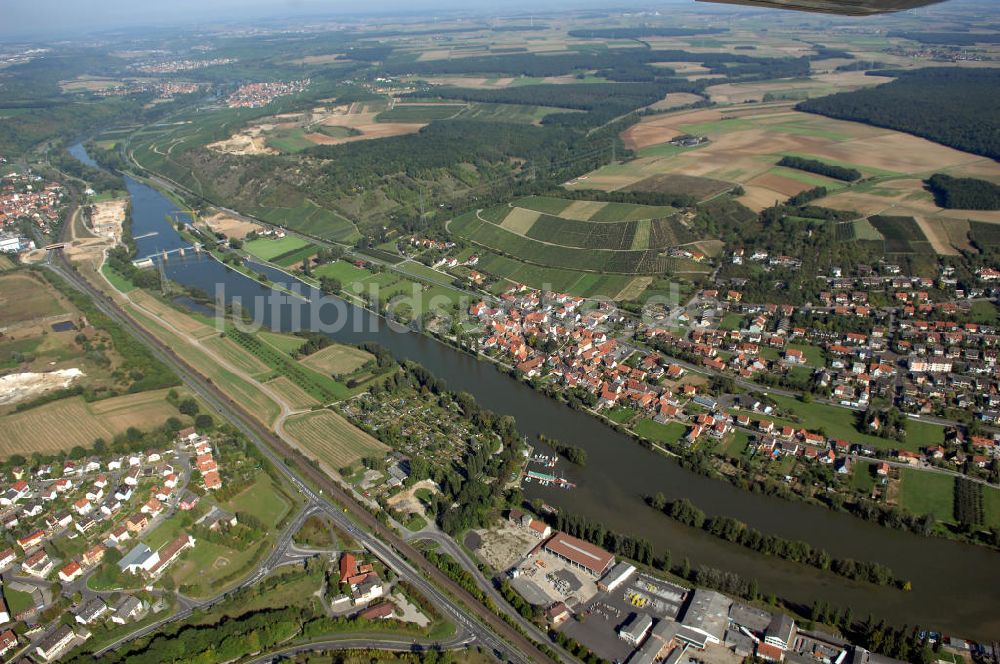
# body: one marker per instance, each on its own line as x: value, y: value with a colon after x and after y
x: 747, y: 141
x: 297, y: 398
x: 338, y: 359
x: 574, y: 282
x: 572, y: 243
x: 903, y: 235
x: 24, y: 298
x: 927, y: 493
x: 256, y: 402
x: 332, y: 439
x: 420, y: 112
x: 62, y: 424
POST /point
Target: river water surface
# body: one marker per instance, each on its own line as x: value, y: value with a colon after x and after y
x: 956, y: 587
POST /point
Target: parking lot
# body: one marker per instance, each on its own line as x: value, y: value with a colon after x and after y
x: 543, y: 579
x: 600, y: 618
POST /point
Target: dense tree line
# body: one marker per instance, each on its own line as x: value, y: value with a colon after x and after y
x: 737, y: 532
x: 821, y: 168
x: 635, y: 548
x: 922, y: 102
x: 654, y: 198
x: 314, y: 342
x: 964, y: 193
x: 572, y: 453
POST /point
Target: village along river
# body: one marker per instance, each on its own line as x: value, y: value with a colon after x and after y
x: 956, y: 587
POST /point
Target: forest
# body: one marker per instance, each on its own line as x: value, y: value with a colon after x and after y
x: 922, y: 102
x: 733, y: 65
x: 963, y: 193
x: 604, y: 101
x: 820, y: 168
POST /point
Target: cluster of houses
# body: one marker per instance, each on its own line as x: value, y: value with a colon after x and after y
x: 913, y: 363
x: 25, y: 195
x: 109, y: 502
x: 204, y: 461
x: 257, y: 95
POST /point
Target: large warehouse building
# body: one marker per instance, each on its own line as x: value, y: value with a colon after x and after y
x: 582, y: 554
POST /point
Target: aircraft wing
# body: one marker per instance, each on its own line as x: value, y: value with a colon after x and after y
x: 846, y: 7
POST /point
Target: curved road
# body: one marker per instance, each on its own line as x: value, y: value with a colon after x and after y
x: 488, y: 628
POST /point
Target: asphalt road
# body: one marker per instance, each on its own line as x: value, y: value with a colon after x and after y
x: 490, y: 630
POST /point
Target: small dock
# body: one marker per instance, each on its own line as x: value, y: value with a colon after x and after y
x: 545, y: 479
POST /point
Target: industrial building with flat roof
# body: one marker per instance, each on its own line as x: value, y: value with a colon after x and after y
x: 618, y: 575
x: 579, y: 553
x: 706, y: 618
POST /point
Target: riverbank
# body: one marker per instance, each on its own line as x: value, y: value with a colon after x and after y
x: 610, y: 488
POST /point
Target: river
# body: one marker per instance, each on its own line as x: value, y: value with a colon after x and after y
x: 955, y: 586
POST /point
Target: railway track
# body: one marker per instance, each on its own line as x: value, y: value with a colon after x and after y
x: 505, y: 641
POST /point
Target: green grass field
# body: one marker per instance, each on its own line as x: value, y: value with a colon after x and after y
x: 263, y: 500
x: 991, y: 507
x: 923, y: 492
x: 420, y: 112
x: 839, y: 423
x: 660, y: 433
x: 862, y: 478
x: 289, y: 140
x: 266, y: 248
x: 17, y: 601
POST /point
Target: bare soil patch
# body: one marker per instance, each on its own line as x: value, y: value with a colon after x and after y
x: 231, y: 226
x: 582, y: 210
x: 758, y: 198
x: 677, y: 183
x: 780, y: 184
x: 675, y: 100
x: 520, y: 220
x: 108, y: 217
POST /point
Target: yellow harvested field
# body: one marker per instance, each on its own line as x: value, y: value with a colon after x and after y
x: 634, y: 289
x: 759, y: 198
x: 582, y: 210
x: 171, y: 316
x: 675, y: 100
x: 235, y: 354
x: 937, y: 235
x: 236, y: 388
x: 337, y: 359
x: 63, y: 424
x: 134, y: 410
x: 24, y: 298
x: 296, y: 397
x: 331, y: 439
x: 520, y: 220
